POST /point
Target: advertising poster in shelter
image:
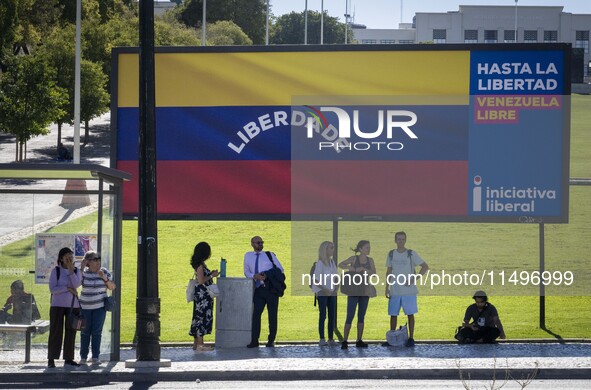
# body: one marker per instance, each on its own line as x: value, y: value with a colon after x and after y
x: 47, y: 247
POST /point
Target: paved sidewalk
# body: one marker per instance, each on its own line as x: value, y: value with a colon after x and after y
x: 306, y: 362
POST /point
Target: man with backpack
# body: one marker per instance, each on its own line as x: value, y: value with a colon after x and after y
x: 268, y: 275
x: 401, y: 289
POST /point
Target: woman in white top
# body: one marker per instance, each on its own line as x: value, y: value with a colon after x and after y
x: 325, y: 287
x: 96, y: 280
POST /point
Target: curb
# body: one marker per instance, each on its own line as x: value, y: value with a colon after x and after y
x: 154, y: 375
x: 173, y: 344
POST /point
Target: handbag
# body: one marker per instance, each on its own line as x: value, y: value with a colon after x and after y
x: 191, y: 289
x: 75, y: 320
x: 398, y: 337
x: 109, y: 303
x: 352, y: 283
x: 349, y: 285
x: 213, y: 290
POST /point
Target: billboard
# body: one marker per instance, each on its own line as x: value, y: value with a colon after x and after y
x: 380, y: 132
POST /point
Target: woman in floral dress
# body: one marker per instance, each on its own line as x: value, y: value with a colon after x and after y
x: 202, y: 323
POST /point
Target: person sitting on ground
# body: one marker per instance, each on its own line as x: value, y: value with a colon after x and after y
x: 23, y: 305
x: 63, y: 153
x: 481, y: 322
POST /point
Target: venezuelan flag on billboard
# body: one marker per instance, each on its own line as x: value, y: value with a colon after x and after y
x: 413, y: 132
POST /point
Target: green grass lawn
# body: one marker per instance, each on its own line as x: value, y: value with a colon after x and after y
x: 445, y: 246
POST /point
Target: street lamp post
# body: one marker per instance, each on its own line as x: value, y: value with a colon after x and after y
x: 77, y: 86
x: 203, y: 23
x: 148, y: 301
x: 267, y: 25
x: 346, y: 19
x: 322, y: 22
x: 306, y: 24
x: 516, y: 21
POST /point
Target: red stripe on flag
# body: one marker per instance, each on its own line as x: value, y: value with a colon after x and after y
x: 380, y: 187
x: 214, y: 187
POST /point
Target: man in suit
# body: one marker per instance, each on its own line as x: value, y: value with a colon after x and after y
x: 257, y: 265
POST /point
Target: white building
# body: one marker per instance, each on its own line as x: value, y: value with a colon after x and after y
x: 161, y: 6
x: 403, y: 35
x: 489, y: 24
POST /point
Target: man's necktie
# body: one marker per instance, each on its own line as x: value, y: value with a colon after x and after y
x: 258, y: 283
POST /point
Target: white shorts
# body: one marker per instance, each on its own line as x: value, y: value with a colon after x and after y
x: 407, y: 302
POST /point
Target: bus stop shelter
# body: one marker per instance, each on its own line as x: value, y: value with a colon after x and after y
x: 44, y: 206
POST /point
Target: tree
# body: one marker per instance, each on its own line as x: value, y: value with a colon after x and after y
x: 170, y: 32
x: 225, y: 33
x: 29, y: 99
x: 289, y: 29
x: 59, y: 53
x: 8, y: 25
x: 25, y: 22
x: 249, y: 15
x: 94, y: 99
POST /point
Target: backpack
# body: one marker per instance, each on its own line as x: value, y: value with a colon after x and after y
x: 312, y: 270
x: 408, y: 253
x: 279, y: 286
x: 57, y: 271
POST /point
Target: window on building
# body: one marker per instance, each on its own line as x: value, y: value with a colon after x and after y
x: 582, y: 40
x: 509, y: 36
x: 388, y: 41
x: 490, y: 36
x: 530, y: 36
x: 439, y: 36
x: 406, y: 41
x: 470, y: 36
x: 369, y: 41
x: 550, y: 36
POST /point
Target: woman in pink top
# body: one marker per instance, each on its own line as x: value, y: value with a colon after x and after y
x: 64, y: 280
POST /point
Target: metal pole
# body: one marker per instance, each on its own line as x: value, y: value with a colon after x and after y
x: 203, y: 24
x: 322, y: 22
x: 542, y: 287
x: 516, y: 21
x: 401, y: 2
x: 148, y: 302
x: 306, y: 24
x: 335, y: 256
x: 267, y: 26
x: 77, y: 86
x: 116, y: 261
x: 346, y: 18
x: 99, y: 238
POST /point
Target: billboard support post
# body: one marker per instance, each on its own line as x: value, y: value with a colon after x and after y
x: 542, y: 287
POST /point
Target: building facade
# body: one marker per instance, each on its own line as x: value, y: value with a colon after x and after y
x: 490, y: 24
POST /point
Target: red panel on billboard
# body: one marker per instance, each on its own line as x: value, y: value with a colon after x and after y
x: 379, y: 187
x: 252, y: 187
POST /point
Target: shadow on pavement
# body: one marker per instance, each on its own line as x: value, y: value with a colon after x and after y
x: 555, y: 335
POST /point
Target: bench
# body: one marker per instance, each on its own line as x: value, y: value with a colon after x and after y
x: 38, y: 326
